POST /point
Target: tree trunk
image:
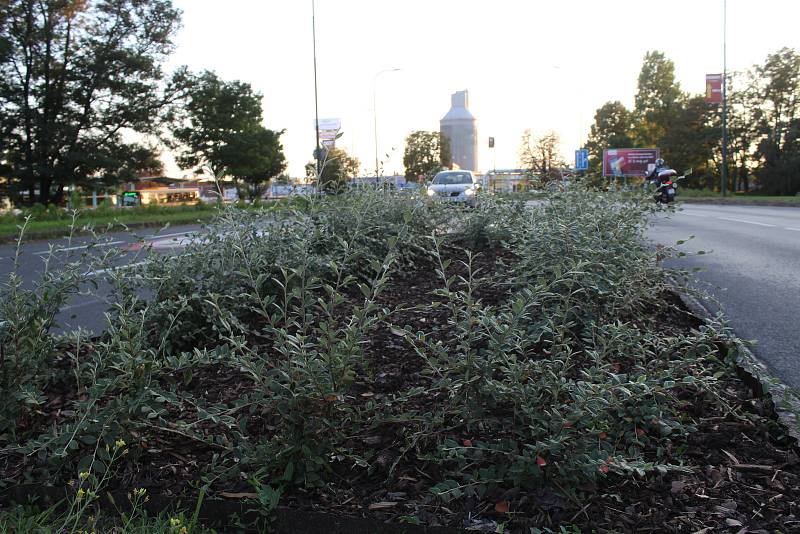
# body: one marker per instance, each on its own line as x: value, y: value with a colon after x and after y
x: 44, y: 191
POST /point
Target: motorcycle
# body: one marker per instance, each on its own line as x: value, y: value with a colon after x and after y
x: 666, y: 186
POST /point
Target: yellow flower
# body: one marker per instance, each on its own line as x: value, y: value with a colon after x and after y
x: 80, y: 494
x: 83, y: 475
x: 175, y: 522
x: 139, y: 492
x: 184, y: 530
x: 119, y: 443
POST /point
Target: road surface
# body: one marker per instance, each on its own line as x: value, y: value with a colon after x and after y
x: 752, y: 268
x: 87, y: 311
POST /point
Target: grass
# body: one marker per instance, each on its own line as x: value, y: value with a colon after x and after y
x: 57, y: 222
x: 708, y: 195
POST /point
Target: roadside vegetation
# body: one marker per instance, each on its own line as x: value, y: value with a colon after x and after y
x: 53, y: 221
x: 384, y: 356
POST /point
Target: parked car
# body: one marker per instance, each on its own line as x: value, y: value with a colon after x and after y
x: 454, y: 186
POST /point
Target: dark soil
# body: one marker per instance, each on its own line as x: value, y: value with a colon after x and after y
x: 745, y: 474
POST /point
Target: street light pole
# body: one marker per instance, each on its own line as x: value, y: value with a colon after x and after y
x: 316, y: 106
x: 724, y: 184
x: 375, y: 114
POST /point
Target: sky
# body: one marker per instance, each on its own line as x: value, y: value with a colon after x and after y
x: 527, y: 64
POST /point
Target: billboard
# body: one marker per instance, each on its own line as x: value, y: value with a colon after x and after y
x: 328, y: 124
x: 328, y: 131
x: 629, y: 161
x: 714, y: 88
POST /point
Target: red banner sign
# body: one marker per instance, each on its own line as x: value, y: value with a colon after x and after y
x: 629, y: 161
x: 714, y: 88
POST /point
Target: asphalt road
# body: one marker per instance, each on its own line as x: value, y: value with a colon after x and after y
x: 752, y: 267
x: 85, y: 310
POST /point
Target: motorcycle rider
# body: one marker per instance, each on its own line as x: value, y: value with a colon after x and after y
x: 653, y: 176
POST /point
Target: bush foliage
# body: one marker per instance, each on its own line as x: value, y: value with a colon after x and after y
x: 546, y: 371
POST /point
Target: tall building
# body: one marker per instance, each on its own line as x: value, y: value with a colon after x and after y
x: 461, y: 128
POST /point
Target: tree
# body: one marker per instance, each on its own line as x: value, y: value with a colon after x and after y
x: 540, y: 156
x: 658, y: 96
x: 778, y: 120
x: 218, y: 125
x: 75, y: 75
x: 253, y: 158
x: 426, y: 154
x: 665, y: 117
x: 742, y: 127
x: 211, y: 114
x: 337, y: 168
x: 611, y: 129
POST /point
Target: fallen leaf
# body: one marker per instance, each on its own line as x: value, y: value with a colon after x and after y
x: 368, y: 394
x: 733, y: 523
x: 501, y: 507
x: 567, y: 424
x: 230, y: 495
x: 677, y: 486
x: 640, y: 432
x: 603, y: 435
x: 541, y: 461
x: 603, y: 469
x: 468, y: 443
x: 383, y: 505
x: 395, y: 331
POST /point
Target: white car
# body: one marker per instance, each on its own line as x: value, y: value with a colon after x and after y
x: 454, y: 186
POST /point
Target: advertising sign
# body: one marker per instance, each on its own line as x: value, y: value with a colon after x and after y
x: 582, y: 160
x: 329, y: 124
x: 629, y: 161
x: 714, y: 88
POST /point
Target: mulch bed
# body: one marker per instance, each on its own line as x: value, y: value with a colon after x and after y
x: 745, y: 473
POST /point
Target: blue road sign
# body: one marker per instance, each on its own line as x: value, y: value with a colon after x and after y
x: 582, y: 160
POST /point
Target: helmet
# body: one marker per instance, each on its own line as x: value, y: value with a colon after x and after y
x: 659, y: 162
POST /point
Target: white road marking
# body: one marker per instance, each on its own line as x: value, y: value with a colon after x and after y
x: 120, y: 268
x: 81, y: 247
x: 81, y: 305
x: 745, y: 221
x: 795, y: 229
x: 161, y: 236
x: 694, y: 214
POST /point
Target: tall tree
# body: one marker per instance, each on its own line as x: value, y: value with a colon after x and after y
x: 658, y: 96
x: 541, y: 156
x: 218, y: 125
x: 778, y: 119
x: 253, y: 158
x: 743, y: 106
x: 74, y: 76
x: 611, y: 129
x: 426, y: 153
x: 209, y: 116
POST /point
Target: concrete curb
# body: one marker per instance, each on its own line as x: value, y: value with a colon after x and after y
x: 737, y: 202
x: 756, y: 375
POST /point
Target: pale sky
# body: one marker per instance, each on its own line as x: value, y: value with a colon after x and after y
x: 527, y: 63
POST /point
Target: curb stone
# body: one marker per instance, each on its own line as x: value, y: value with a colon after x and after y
x: 756, y: 376
x: 737, y: 202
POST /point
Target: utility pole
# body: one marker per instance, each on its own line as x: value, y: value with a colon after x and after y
x: 724, y: 184
x: 316, y: 107
x: 375, y: 115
